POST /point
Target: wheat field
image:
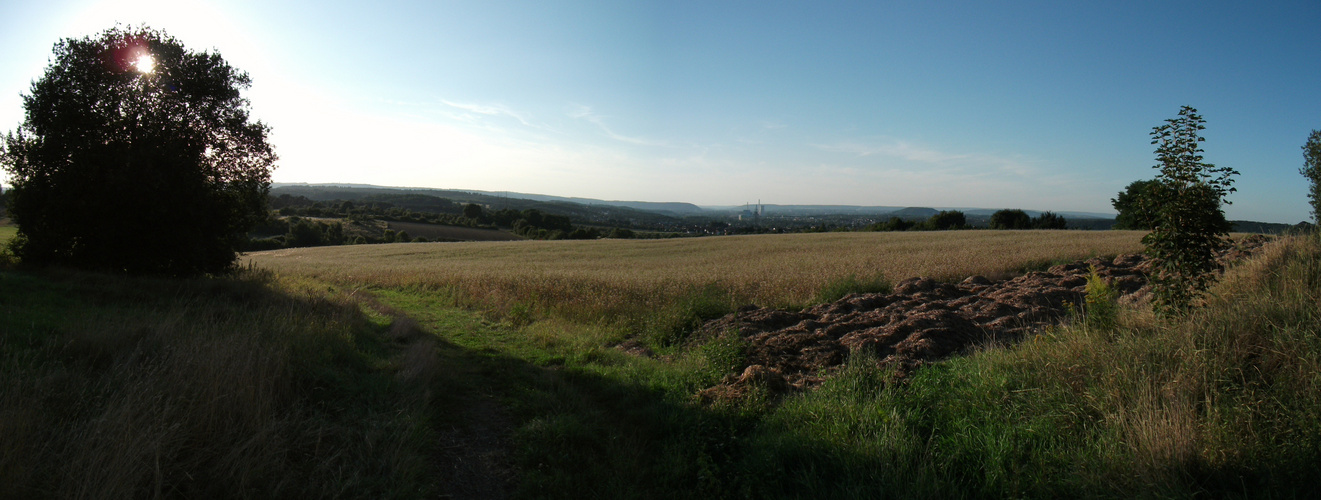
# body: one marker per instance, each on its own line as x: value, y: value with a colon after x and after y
x: 607, y: 275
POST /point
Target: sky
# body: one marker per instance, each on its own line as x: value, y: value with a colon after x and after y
x: 1034, y: 105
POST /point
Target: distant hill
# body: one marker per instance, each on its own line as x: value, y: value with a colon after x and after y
x: 801, y: 210
x: 913, y: 213
x: 452, y: 201
x: 677, y: 208
x: 657, y: 214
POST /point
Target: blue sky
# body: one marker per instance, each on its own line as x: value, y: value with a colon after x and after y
x: 1034, y: 105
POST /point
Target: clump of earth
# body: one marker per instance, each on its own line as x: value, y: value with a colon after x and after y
x: 923, y: 320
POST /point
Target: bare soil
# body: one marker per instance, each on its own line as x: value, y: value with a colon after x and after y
x: 922, y: 321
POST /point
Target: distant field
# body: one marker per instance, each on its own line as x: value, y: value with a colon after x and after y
x: 611, y: 275
x: 436, y: 232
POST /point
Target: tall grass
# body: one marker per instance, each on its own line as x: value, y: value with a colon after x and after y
x: 114, y: 387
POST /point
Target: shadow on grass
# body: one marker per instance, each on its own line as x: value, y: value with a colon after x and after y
x: 129, y: 387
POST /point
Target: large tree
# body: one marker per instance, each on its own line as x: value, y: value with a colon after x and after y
x: 1312, y: 171
x: 136, y: 155
x: 1010, y: 219
x: 1190, y: 225
x: 1137, y: 206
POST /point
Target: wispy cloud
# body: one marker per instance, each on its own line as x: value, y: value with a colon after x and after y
x: 489, y: 110
x: 583, y: 112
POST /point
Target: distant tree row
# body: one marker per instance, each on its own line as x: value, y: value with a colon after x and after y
x: 1018, y: 219
x: 942, y: 221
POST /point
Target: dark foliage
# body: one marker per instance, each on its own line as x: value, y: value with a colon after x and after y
x: 1137, y: 206
x: 1190, y: 224
x: 1049, y: 220
x: 948, y: 219
x: 893, y: 224
x: 1010, y: 219
x: 1312, y: 171
x: 117, y: 168
x: 472, y: 211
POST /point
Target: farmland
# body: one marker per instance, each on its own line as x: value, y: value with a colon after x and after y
x: 603, y: 277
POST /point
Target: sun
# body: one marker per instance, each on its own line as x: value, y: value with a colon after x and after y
x: 145, y: 64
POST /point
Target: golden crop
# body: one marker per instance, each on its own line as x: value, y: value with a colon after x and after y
x: 615, y: 276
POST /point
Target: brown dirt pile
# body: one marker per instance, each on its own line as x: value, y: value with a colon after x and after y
x: 922, y: 321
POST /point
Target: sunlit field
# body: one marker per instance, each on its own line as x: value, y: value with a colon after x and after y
x: 7, y: 233
x: 610, y: 276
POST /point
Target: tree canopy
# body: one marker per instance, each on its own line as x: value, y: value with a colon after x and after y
x: 1010, y: 219
x: 948, y: 219
x: 1312, y: 171
x: 1137, y: 206
x: 136, y: 155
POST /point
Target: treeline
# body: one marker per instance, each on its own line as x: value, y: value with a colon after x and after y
x: 954, y: 219
x: 292, y: 223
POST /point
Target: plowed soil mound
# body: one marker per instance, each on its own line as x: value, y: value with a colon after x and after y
x: 922, y: 321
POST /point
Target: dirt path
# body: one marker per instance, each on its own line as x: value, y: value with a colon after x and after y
x: 474, y: 451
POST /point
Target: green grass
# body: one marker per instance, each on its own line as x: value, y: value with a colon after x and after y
x: 7, y: 233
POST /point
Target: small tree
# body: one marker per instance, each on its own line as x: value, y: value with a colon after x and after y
x: 947, y: 219
x: 1190, y: 224
x: 136, y: 155
x: 472, y: 211
x: 1049, y: 220
x: 1010, y: 219
x: 1137, y: 206
x: 1312, y: 171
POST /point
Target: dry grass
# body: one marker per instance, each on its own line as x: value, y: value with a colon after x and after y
x: 613, y: 277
